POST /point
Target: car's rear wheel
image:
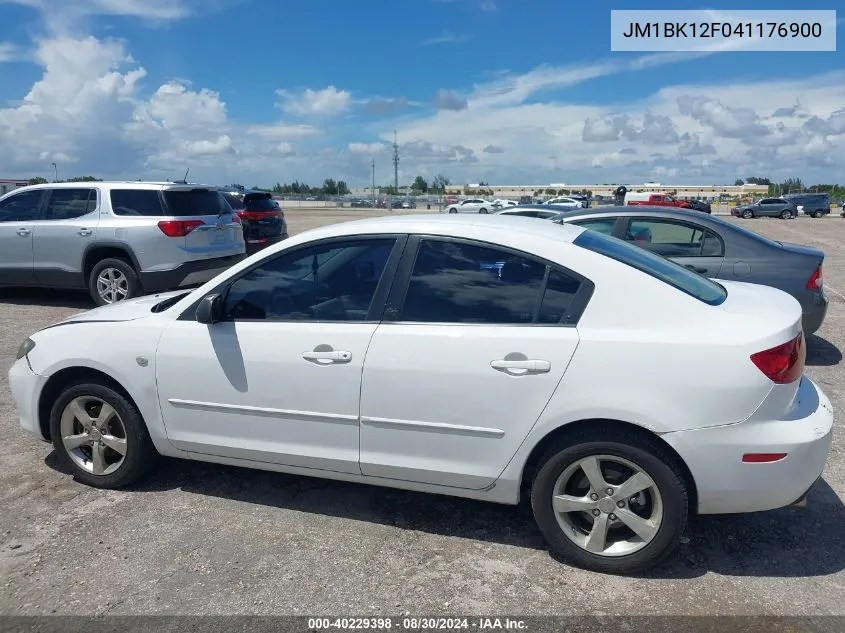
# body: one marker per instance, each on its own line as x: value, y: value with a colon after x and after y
x: 817, y: 214
x: 747, y: 214
x: 786, y: 214
x: 482, y: 210
x: 100, y: 435
x: 112, y: 280
x: 613, y: 502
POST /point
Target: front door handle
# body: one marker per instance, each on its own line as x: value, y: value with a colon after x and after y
x: 24, y: 232
x: 330, y: 356
x: 697, y: 269
x: 84, y: 232
x: 533, y: 366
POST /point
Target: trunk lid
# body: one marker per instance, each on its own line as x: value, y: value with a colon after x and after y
x: 213, y: 230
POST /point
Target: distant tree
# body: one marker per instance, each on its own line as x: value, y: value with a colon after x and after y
x: 38, y: 180
x: 342, y: 188
x: 739, y: 182
x: 550, y: 192
x: 84, y: 179
x: 439, y: 184
x: 329, y: 187
x: 420, y: 185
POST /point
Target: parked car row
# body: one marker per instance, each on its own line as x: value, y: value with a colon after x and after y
x: 492, y: 358
x: 786, y: 207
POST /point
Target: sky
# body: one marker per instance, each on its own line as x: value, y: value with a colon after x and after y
x: 502, y: 91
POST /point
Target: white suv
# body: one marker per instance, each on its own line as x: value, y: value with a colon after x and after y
x: 116, y: 239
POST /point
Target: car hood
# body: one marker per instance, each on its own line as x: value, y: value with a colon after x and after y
x: 123, y: 310
x: 803, y: 250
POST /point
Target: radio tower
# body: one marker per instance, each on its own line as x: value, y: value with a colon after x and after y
x: 395, y: 163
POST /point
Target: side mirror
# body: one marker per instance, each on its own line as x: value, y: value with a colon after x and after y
x: 210, y: 309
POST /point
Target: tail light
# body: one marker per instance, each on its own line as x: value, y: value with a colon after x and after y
x: 255, y: 216
x: 816, y: 279
x: 178, y: 228
x: 782, y: 364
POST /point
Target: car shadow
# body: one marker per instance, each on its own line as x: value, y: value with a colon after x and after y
x: 790, y: 542
x: 75, y: 299
x: 821, y: 352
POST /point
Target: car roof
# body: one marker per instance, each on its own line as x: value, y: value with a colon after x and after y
x: 444, y: 224
x: 117, y: 184
x: 636, y: 211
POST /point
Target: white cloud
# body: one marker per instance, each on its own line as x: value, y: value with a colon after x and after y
x: 10, y: 52
x: 447, y: 37
x: 281, y: 131
x: 367, y: 148
x: 326, y: 102
x: 449, y: 100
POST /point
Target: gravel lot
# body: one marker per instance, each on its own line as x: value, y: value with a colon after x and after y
x: 206, y: 539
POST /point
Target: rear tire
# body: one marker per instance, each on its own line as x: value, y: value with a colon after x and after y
x: 123, y: 428
x: 786, y: 215
x: 747, y: 214
x: 818, y: 214
x: 112, y: 280
x: 659, y: 510
x: 482, y: 210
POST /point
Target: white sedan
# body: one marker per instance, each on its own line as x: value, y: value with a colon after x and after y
x: 564, y: 201
x: 472, y: 205
x: 481, y: 357
x: 533, y: 211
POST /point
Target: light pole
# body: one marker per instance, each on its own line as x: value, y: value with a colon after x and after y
x: 374, y: 182
x: 56, y: 172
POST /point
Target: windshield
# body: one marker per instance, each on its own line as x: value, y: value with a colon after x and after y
x: 259, y: 203
x: 675, y: 275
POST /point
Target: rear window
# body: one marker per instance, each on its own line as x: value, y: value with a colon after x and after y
x: 234, y: 201
x: 188, y: 202
x: 665, y: 270
x: 259, y: 203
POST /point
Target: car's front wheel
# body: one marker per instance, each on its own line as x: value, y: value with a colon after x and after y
x: 453, y: 210
x: 612, y: 502
x: 747, y: 214
x: 100, y: 435
x: 818, y: 214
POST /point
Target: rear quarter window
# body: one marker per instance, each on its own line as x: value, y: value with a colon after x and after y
x: 136, y: 202
x: 191, y: 202
x: 665, y: 270
x: 255, y: 203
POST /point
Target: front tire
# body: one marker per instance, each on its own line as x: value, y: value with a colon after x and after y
x: 612, y: 502
x: 112, y: 280
x: 453, y: 210
x: 747, y: 214
x: 100, y: 436
x: 818, y: 214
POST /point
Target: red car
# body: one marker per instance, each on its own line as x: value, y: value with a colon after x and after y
x: 654, y: 200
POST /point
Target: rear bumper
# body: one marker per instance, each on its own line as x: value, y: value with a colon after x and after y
x: 255, y: 245
x: 727, y: 485
x: 814, y: 310
x: 188, y: 274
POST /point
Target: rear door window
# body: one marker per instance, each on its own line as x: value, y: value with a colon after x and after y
x: 674, y: 239
x: 67, y: 204
x: 136, y: 202
x: 193, y: 202
x: 602, y: 225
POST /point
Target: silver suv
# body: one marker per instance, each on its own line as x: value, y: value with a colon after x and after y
x: 117, y: 239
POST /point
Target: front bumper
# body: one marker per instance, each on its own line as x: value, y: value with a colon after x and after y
x: 192, y: 273
x: 26, y: 388
x: 727, y: 485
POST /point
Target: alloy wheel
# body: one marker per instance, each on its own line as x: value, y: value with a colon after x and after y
x: 607, y: 505
x: 93, y: 435
x: 112, y: 285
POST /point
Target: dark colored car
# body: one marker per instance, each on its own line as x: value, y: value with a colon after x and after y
x: 361, y: 203
x: 716, y: 248
x: 700, y: 205
x: 815, y: 205
x: 767, y: 208
x: 262, y: 219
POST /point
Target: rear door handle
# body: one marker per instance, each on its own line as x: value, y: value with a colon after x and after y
x: 333, y: 356
x: 697, y: 269
x: 533, y: 366
x: 84, y: 232
x: 24, y: 232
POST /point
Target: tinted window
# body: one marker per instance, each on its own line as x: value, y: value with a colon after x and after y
x: 603, y: 225
x: 234, y: 201
x: 332, y: 282
x: 259, y: 203
x: 728, y: 226
x: 674, y: 239
x: 560, y: 290
x: 661, y: 268
x: 527, y: 214
x: 66, y: 204
x: 143, y: 202
x: 190, y: 202
x: 463, y: 283
x: 21, y: 207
